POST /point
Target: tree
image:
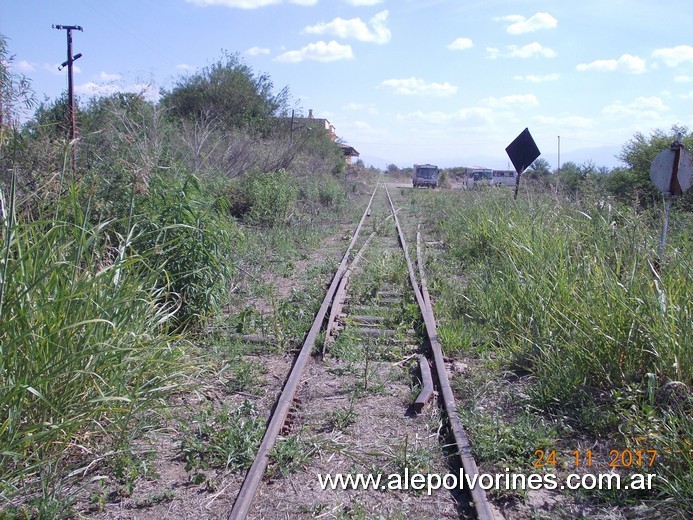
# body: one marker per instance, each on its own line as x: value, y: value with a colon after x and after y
x: 392, y: 169
x: 15, y: 90
x: 638, y: 154
x: 230, y: 90
x: 16, y: 97
x: 569, y: 178
x: 539, y: 168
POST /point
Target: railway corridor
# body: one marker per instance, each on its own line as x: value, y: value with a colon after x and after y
x: 353, y: 415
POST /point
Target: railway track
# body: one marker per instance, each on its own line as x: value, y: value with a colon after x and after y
x: 371, y: 379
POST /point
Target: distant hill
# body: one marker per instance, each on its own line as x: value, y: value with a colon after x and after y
x: 603, y: 156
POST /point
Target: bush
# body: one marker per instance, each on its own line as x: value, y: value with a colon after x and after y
x: 83, y: 348
x: 271, y: 198
x: 189, y: 242
x: 320, y: 191
x: 575, y: 296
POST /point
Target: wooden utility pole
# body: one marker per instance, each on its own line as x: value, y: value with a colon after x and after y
x: 70, y: 85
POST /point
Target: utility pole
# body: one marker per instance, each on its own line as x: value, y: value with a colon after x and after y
x: 70, y: 86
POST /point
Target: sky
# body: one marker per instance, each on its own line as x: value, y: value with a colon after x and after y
x: 447, y: 82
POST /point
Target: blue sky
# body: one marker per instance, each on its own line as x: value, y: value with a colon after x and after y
x: 449, y: 82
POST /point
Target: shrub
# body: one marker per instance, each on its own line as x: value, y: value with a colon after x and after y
x: 83, y: 348
x: 271, y: 198
x: 575, y: 296
x: 188, y: 241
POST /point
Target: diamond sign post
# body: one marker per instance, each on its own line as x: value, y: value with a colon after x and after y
x: 522, y: 151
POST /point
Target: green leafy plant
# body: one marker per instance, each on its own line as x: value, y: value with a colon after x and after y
x: 83, y: 344
x: 227, y: 438
x: 342, y: 418
x: 271, y: 197
x: 573, y: 297
x: 289, y: 455
x: 189, y: 244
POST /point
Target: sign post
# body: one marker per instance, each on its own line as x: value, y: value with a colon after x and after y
x: 672, y: 174
x: 523, y: 152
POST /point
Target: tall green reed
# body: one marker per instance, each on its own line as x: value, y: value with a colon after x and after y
x: 574, y: 296
x: 83, y: 345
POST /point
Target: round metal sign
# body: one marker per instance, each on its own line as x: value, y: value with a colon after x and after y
x: 662, y: 169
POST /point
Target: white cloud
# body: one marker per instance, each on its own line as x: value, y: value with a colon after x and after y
x: 22, y: 66
x: 355, y: 28
x: 641, y: 108
x: 565, y: 122
x: 530, y: 50
x: 418, y: 87
x: 256, y: 51
x: 362, y: 125
x: 522, y: 100
x: 364, y: 2
x: 105, y: 76
x: 360, y: 107
x: 247, y: 4
x: 683, y: 78
x: 674, y: 56
x: 532, y: 78
x: 319, y: 51
x: 461, y: 44
x: 521, y: 25
x: 626, y: 63
x: 478, y: 116
x: 147, y: 90
x: 185, y: 67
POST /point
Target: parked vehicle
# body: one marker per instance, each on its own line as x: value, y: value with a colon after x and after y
x: 481, y: 175
x: 425, y: 175
x: 492, y: 177
x: 504, y: 178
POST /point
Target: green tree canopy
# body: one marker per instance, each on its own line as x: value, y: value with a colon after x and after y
x: 638, y: 154
x: 539, y: 168
x: 229, y: 92
x: 15, y: 89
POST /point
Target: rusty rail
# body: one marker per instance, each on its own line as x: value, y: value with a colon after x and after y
x: 254, y: 476
x: 426, y: 393
x: 335, y: 292
x: 481, y: 504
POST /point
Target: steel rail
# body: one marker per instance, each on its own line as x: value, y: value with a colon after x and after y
x: 252, y: 480
x: 338, y: 302
x: 340, y: 295
x: 481, y: 504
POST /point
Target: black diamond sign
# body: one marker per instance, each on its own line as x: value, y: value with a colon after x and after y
x: 523, y: 151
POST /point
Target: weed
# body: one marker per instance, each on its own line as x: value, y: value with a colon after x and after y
x: 506, y: 442
x: 127, y: 468
x: 84, y: 349
x: 342, y: 418
x: 227, y: 438
x: 289, y: 455
x: 314, y: 510
x: 246, y: 375
x: 271, y: 198
x: 572, y: 296
x: 155, y: 497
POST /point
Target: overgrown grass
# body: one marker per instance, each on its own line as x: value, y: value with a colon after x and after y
x: 92, y: 316
x: 574, y: 296
x: 226, y: 438
x: 183, y: 233
x: 83, y: 349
